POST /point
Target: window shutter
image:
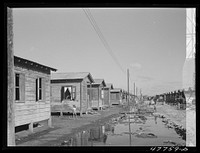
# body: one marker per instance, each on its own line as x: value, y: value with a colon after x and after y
x: 62, y: 93
x: 17, y: 92
x: 22, y: 87
x: 36, y: 89
x: 44, y: 89
x: 73, y: 92
x: 102, y: 93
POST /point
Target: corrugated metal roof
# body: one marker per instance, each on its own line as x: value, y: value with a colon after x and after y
x: 71, y: 75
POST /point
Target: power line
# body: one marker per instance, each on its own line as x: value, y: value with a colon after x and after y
x: 102, y: 38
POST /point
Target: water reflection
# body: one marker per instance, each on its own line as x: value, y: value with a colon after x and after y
x: 140, y: 129
x: 155, y: 118
x: 89, y: 137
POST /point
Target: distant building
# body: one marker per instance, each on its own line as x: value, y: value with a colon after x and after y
x: 96, y: 93
x: 116, y: 96
x: 106, y: 99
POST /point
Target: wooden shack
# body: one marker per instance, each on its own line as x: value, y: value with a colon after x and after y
x: 106, y: 100
x: 68, y: 89
x: 116, y: 96
x: 32, y: 92
x: 96, y: 93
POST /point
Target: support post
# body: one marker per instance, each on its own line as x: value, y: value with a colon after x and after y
x: 102, y: 96
x: 30, y: 127
x: 128, y: 88
x: 10, y: 79
x: 80, y: 98
x: 50, y: 122
x: 134, y: 93
x: 98, y: 98
x: 91, y: 94
x: 109, y: 97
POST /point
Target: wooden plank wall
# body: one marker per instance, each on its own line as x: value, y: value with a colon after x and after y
x: 29, y: 110
x: 85, y: 103
x: 96, y: 96
x: 115, y: 98
x: 100, y: 96
x: 81, y: 96
x: 106, y: 96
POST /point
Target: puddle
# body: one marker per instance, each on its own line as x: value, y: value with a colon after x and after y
x: 130, y: 130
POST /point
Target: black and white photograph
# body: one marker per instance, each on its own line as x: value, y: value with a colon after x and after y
x: 101, y: 76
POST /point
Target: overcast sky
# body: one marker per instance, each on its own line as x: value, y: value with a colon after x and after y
x: 151, y: 43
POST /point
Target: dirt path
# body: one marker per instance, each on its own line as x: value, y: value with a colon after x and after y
x: 170, y: 112
x: 64, y: 127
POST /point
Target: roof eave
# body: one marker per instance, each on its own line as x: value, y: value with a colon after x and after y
x: 19, y: 59
x: 91, y: 78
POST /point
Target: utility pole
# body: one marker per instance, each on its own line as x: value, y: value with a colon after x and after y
x: 10, y: 77
x: 128, y: 86
x: 129, y: 107
x: 134, y: 92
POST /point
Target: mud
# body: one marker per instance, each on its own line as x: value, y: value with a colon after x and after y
x: 65, y: 127
x: 142, y: 131
x: 147, y: 127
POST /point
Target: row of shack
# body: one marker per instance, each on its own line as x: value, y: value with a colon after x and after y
x: 38, y: 92
x: 177, y: 98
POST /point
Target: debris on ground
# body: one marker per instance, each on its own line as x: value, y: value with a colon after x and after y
x: 116, y: 134
x: 92, y: 112
x: 133, y: 133
x: 67, y: 143
x: 146, y: 135
x: 180, y: 130
x: 169, y: 142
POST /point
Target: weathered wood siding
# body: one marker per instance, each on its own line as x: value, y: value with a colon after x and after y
x: 115, y: 98
x: 106, y: 98
x: 89, y: 97
x: 95, y: 93
x: 84, y: 91
x: 81, y: 100
x: 28, y: 110
x: 101, y: 94
x: 56, y: 91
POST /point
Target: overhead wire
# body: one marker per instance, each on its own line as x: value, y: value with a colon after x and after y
x: 102, y: 38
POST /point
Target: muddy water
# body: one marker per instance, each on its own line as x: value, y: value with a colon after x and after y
x: 128, y: 130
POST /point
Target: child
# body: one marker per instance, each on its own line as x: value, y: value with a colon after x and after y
x: 74, y: 111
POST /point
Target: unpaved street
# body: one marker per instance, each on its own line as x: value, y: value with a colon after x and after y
x: 115, y: 128
x: 63, y: 127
